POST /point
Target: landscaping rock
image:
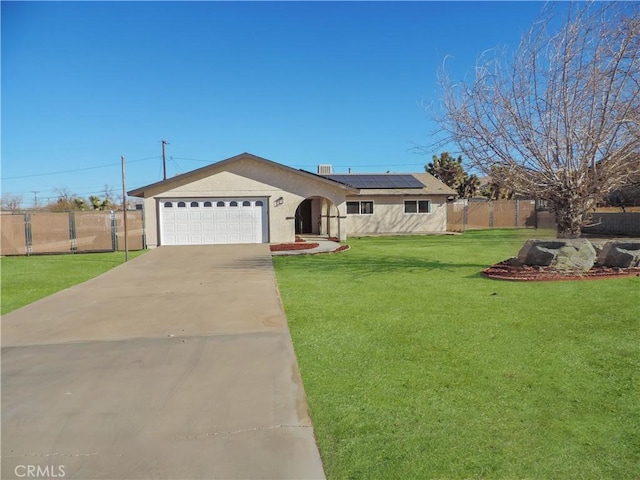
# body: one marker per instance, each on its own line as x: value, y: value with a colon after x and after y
x: 620, y: 254
x: 570, y: 254
x: 598, y: 244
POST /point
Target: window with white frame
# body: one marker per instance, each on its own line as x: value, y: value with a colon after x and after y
x: 417, y: 206
x: 360, y: 208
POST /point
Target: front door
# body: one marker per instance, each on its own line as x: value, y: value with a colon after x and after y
x: 303, y: 218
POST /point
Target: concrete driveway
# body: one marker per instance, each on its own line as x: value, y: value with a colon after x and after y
x: 178, y: 364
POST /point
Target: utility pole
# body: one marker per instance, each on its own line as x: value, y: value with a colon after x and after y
x: 35, y: 198
x: 124, y: 211
x: 164, y: 160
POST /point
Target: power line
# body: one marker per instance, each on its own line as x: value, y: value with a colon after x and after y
x: 387, y: 165
x: 85, y: 191
x: 178, y: 166
x: 194, y: 159
x: 309, y: 166
x: 75, y: 170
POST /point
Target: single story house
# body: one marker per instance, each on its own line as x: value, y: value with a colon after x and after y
x: 249, y: 199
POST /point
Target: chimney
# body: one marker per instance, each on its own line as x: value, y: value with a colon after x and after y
x: 325, y: 169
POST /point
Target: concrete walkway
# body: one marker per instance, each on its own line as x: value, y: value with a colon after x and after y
x: 178, y: 364
x: 324, y: 246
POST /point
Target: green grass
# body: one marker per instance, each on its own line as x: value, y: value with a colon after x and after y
x: 415, y: 366
x: 27, y: 279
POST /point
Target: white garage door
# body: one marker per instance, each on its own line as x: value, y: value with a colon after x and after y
x: 212, y: 221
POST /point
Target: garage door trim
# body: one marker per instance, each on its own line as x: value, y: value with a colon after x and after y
x: 212, y: 220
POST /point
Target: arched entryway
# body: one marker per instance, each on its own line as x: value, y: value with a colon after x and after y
x: 304, y: 217
x: 317, y: 216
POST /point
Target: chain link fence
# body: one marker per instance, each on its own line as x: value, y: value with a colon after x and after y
x: 70, y: 232
x: 477, y: 214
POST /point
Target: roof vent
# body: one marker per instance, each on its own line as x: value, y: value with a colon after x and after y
x: 325, y: 169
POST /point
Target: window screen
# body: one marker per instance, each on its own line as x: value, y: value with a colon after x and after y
x: 353, y: 208
x: 366, y: 208
x: 410, y: 206
x: 417, y: 206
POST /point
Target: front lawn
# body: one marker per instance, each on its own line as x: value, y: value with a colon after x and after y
x: 417, y: 367
x: 27, y: 279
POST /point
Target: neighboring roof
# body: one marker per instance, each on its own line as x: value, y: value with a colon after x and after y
x: 186, y: 177
x: 429, y: 185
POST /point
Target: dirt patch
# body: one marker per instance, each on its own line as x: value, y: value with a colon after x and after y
x: 525, y: 273
x: 282, y: 247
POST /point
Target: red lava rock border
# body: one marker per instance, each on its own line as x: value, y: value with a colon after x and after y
x: 526, y: 273
x: 293, y: 246
x: 283, y: 247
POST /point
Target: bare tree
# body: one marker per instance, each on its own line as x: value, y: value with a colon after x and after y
x: 561, y: 114
x: 496, y: 188
x: 108, y: 193
x: 11, y: 201
x: 66, y: 201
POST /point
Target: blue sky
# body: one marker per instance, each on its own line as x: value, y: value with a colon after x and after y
x: 300, y: 83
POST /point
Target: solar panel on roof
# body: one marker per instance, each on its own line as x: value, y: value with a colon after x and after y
x: 377, y: 181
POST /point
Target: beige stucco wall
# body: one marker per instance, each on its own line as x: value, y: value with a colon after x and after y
x: 247, y: 177
x: 389, y: 217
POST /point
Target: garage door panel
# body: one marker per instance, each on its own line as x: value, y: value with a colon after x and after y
x: 247, y: 227
x: 212, y: 221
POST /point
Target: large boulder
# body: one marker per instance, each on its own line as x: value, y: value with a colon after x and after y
x: 620, y: 254
x: 570, y: 254
x: 598, y: 244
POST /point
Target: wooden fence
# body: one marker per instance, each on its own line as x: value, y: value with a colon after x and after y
x: 70, y: 232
